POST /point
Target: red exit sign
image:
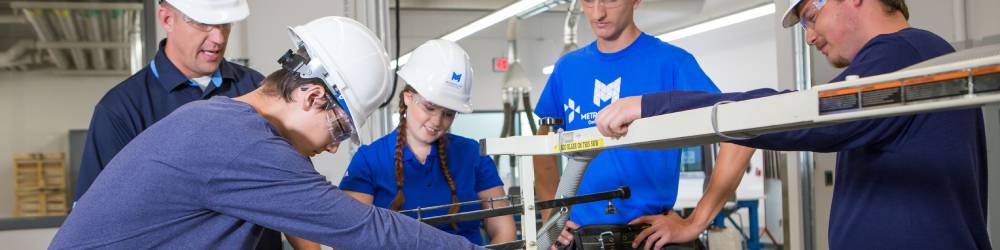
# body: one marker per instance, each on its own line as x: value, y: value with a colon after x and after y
x: 500, y: 64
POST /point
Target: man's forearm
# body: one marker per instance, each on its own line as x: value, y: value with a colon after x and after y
x: 546, y: 176
x: 730, y: 165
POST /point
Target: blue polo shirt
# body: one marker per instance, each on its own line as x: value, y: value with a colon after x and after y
x: 212, y: 175
x: 587, y: 80
x: 373, y: 172
x: 907, y: 182
x: 143, y: 99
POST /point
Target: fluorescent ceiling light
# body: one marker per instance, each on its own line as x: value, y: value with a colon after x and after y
x: 482, y: 23
x: 713, y: 24
x: 709, y: 25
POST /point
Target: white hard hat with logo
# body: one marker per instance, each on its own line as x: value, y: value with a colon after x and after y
x: 350, y: 60
x: 213, y: 11
x: 440, y: 71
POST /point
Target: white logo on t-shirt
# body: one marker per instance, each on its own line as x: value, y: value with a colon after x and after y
x: 572, y: 109
x: 605, y: 92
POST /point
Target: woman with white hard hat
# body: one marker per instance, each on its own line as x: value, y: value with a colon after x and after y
x: 214, y: 173
x: 421, y: 164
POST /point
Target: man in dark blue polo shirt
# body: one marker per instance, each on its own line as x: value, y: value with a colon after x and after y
x: 189, y: 66
x: 906, y: 182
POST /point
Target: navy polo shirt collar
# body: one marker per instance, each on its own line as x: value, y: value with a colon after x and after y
x: 171, y: 77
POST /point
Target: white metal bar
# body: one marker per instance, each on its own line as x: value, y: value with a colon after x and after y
x: 528, y: 231
x: 770, y: 114
x: 689, y: 127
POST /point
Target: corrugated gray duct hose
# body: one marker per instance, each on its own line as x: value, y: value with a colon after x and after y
x: 569, y: 182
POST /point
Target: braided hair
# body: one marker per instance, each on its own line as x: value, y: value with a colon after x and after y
x: 398, y: 201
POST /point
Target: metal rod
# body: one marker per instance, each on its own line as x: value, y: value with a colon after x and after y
x: 620, y: 193
x: 490, y: 200
x: 803, y: 81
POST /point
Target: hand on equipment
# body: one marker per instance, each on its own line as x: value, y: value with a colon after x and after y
x: 613, y: 121
x: 663, y: 229
x: 566, y: 237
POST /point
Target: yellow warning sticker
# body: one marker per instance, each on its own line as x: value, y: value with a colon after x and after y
x: 580, y: 145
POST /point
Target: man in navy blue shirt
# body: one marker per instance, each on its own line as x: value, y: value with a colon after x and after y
x: 907, y: 182
x: 189, y: 66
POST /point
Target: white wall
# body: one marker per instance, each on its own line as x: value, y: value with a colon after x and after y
x: 38, y: 111
x: 28, y: 239
x: 740, y: 57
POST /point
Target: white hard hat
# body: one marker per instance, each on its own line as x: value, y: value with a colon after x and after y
x: 791, y: 16
x: 213, y: 11
x: 440, y: 71
x: 350, y: 60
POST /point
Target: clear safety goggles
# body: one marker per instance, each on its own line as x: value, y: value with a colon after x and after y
x: 341, y: 126
x: 606, y: 3
x: 204, y: 27
x: 432, y: 109
x: 808, y: 18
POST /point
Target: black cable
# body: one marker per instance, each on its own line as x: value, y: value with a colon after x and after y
x: 526, y: 98
x: 395, y: 77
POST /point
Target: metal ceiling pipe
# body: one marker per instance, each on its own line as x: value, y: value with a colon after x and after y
x: 12, y: 19
x: 135, y: 60
x: 67, y: 28
x: 569, y: 30
x: 41, y: 25
x: 92, y: 22
x: 116, y: 28
x: 15, y: 55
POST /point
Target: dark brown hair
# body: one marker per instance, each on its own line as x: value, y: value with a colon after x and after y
x: 282, y: 83
x: 397, y: 202
x: 896, y: 5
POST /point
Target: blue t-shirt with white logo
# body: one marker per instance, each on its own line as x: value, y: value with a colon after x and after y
x: 587, y: 80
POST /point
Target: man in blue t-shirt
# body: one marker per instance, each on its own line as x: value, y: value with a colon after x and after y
x: 622, y: 62
x: 907, y: 182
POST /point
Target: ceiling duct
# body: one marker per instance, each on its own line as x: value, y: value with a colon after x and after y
x: 85, y: 38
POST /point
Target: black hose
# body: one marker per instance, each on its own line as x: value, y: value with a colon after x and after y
x: 504, y: 131
x: 513, y: 115
x: 526, y: 99
x: 395, y: 77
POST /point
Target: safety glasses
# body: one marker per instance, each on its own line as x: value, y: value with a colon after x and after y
x: 606, y: 3
x: 432, y: 109
x: 808, y: 18
x: 341, y: 126
x: 204, y: 27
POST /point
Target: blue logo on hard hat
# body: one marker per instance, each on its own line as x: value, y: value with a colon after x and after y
x: 455, y: 81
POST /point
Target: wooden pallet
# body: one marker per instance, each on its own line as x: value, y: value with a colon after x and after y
x: 40, y: 184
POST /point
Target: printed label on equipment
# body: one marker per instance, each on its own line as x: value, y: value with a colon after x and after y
x: 937, y: 89
x: 580, y: 145
x: 837, y: 103
x: 881, y: 94
x: 986, y: 83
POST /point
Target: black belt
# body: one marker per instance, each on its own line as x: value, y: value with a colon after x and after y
x: 614, y: 237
